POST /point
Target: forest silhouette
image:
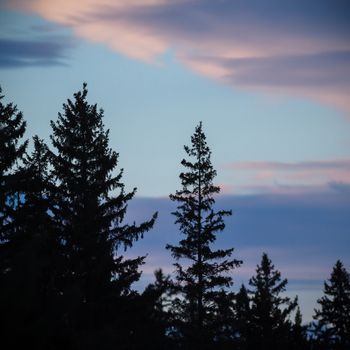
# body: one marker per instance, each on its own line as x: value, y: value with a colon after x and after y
x: 66, y: 282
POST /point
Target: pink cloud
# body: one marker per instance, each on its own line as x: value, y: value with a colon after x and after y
x: 272, y: 48
x: 283, y: 177
x: 284, y: 166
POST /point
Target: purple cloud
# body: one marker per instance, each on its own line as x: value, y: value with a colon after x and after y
x: 22, y: 53
x: 304, y: 234
x: 283, y: 177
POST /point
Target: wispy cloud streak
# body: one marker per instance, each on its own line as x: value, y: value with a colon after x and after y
x: 299, y: 177
x: 21, y: 53
x: 343, y: 164
x: 304, y: 234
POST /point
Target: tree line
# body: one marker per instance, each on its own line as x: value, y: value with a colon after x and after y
x: 65, y: 282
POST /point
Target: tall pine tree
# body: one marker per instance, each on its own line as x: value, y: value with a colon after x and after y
x: 334, y: 315
x: 270, y: 323
x: 91, y: 204
x: 205, y: 274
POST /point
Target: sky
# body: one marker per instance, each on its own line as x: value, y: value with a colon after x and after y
x: 270, y: 81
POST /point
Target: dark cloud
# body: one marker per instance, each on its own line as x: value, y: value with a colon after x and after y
x: 316, y: 223
x: 304, y: 234
x: 254, y: 21
x: 340, y: 187
x: 46, y: 52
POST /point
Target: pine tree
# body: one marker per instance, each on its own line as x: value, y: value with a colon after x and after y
x: 12, y: 129
x: 223, y: 320
x: 157, y: 297
x: 161, y: 292
x: 299, y: 339
x: 334, y: 315
x: 242, y: 319
x: 206, y: 274
x: 34, y: 247
x: 91, y: 206
x: 270, y: 323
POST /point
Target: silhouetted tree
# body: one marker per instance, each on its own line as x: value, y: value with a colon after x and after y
x: 334, y: 316
x: 243, y: 319
x: 12, y: 129
x: 270, y: 323
x: 299, y: 339
x: 223, y: 320
x: 161, y: 292
x: 35, y: 252
x: 202, y: 279
x: 158, y: 298
x: 90, y: 207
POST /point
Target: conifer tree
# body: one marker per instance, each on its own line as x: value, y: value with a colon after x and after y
x: 270, y: 322
x: 223, y: 320
x: 12, y: 129
x: 205, y: 273
x: 299, y: 339
x: 334, y: 315
x: 160, y: 292
x: 242, y: 319
x: 35, y: 250
x: 158, y: 296
x: 91, y: 204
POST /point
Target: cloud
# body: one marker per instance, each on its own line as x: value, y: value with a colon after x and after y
x: 279, y: 177
x: 291, y: 47
x: 304, y: 235
x: 292, y: 228
x: 45, y: 52
x: 299, y: 166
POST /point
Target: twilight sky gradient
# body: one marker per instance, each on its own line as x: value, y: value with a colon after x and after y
x: 269, y: 79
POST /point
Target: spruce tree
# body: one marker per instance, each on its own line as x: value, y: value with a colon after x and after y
x: 223, y: 320
x: 270, y: 322
x: 204, y: 275
x: 158, y: 296
x: 12, y: 129
x: 35, y: 250
x: 299, y: 339
x: 91, y: 204
x: 242, y: 318
x: 334, y: 315
x: 160, y: 292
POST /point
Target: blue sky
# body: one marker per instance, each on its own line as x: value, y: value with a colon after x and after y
x: 270, y: 83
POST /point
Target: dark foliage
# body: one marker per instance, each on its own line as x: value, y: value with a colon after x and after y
x: 158, y: 298
x: 66, y: 284
x: 201, y: 282
x: 270, y: 323
x: 12, y: 129
x: 333, y: 328
x: 242, y: 319
x: 34, y: 251
x: 90, y: 208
